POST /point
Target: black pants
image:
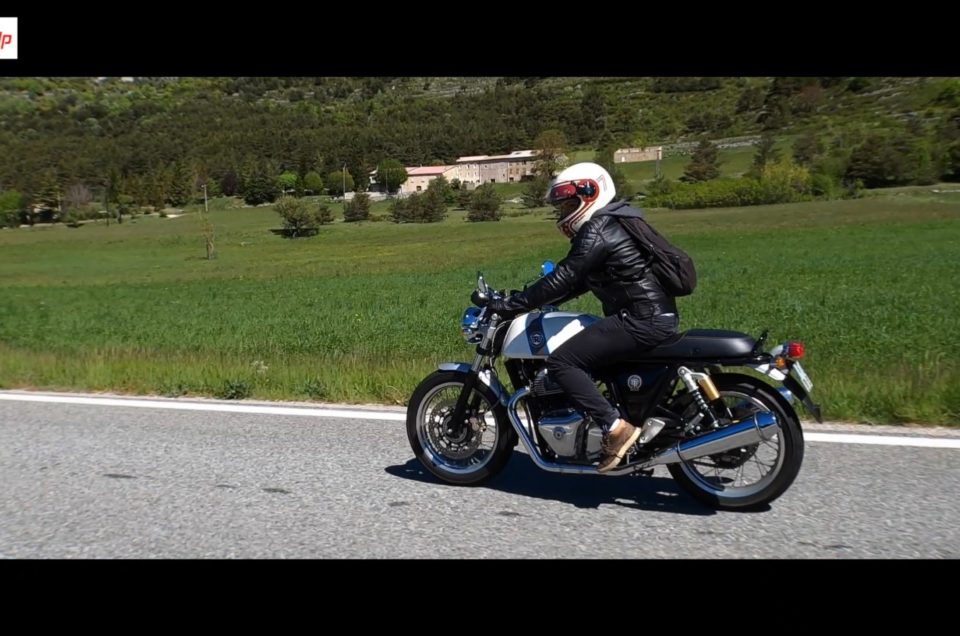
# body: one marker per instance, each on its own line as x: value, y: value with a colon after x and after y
x: 604, y: 342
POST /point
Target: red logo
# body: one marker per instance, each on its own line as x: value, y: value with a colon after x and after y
x: 8, y: 39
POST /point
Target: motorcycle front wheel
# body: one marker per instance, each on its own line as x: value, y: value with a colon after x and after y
x: 476, y: 453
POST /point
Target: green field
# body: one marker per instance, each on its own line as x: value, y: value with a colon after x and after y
x: 733, y: 162
x: 361, y: 312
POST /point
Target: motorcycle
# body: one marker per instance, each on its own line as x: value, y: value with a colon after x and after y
x: 731, y: 440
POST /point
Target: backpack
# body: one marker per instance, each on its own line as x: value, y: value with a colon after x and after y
x: 671, y: 265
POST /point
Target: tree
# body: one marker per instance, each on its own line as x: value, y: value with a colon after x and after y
x: 259, y: 188
x: 859, y: 84
x: 435, y: 200
x: 878, y: 162
x: 951, y: 171
x: 659, y: 185
x: 924, y: 167
x: 297, y: 215
x: 779, y: 104
x: 324, y: 213
x: 767, y: 152
x: 704, y: 163
x: 358, y: 209
x: 156, y: 189
x: 49, y: 195
x: 751, y: 99
x: 484, y: 204
x: 111, y: 193
x: 302, y: 164
x: 551, y: 147
x: 313, y: 182
x: 180, y: 184
x: 335, y: 182
x: 786, y: 181
x: 400, y: 210
x: 391, y: 175
x: 593, y: 110
x: 229, y: 183
x: 287, y: 181
x: 808, y: 99
x: 464, y: 197
x: 442, y: 186
x: 10, y: 205
x: 534, y: 193
x: 78, y: 196
x: 135, y: 186
x: 807, y: 148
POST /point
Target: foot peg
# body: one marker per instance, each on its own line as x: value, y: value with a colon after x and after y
x: 651, y: 427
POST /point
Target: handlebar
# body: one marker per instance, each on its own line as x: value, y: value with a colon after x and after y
x: 481, y: 299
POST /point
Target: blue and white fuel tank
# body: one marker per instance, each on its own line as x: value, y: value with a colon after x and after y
x: 538, y: 334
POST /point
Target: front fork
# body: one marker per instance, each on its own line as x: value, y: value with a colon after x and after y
x: 469, y: 401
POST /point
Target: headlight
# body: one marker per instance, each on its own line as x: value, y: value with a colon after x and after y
x: 470, y: 324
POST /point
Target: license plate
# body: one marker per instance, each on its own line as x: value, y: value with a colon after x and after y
x: 801, y: 376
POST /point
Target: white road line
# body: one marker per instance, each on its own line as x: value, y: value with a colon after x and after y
x: 810, y: 436
x: 198, y: 406
x: 884, y: 440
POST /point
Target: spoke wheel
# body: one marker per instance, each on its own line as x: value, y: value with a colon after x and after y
x: 749, y: 476
x: 470, y: 455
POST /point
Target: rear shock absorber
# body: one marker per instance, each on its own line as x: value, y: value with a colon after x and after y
x: 699, y: 384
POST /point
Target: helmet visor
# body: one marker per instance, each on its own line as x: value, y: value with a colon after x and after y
x: 562, y: 191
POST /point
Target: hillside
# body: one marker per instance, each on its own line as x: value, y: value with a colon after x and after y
x: 76, y: 130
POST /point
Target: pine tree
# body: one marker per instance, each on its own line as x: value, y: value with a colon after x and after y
x: 767, y: 153
x: 358, y: 209
x: 807, y: 148
x: 704, y: 163
x: 484, y: 204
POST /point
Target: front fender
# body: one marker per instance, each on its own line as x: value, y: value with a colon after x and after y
x: 487, y: 376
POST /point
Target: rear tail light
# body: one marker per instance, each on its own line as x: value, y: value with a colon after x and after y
x: 793, y: 350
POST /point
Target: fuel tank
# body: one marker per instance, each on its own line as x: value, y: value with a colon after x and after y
x: 538, y: 334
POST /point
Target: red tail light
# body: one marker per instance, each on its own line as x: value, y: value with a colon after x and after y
x: 794, y: 350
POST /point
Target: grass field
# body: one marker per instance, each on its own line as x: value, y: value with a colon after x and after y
x: 733, y: 162
x: 361, y: 312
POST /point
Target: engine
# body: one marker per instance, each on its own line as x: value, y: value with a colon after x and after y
x: 570, y: 435
x: 566, y: 431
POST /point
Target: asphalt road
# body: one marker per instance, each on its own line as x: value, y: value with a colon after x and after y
x: 121, y: 481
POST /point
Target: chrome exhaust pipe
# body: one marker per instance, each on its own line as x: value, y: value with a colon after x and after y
x: 756, y: 428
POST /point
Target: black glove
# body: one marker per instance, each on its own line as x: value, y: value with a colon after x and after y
x: 507, y: 307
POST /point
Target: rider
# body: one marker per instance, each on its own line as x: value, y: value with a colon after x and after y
x: 606, y: 260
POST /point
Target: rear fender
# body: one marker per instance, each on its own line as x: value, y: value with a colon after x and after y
x: 793, y: 387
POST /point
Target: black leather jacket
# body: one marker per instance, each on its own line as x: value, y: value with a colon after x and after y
x: 606, y: 260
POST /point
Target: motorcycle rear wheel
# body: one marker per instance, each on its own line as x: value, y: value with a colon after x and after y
x: 725, y: 481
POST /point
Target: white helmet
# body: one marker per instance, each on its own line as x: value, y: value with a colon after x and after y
x: 577, y: 192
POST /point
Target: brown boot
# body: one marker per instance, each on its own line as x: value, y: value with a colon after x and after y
x: 616, y: 444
